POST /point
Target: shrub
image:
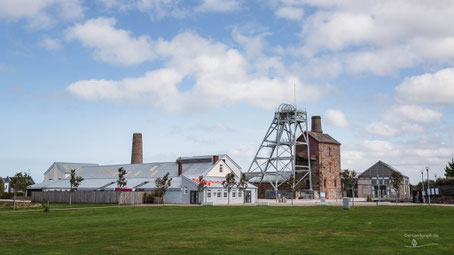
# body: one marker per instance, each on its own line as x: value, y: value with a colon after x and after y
x: 7, y: 196
x: 45, y: 206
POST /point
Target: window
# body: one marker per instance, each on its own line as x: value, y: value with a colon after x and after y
x: 239, y: 193
x: 185, y: 190
x: 329, y: 151
x: 234, y: 194
x: 225, y: 193
x: 209, y: 194
x: 219, y: 194
x: 220, y: 168
x: 324, y: 183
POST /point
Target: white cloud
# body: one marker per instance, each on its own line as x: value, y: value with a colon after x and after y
x: 115, y: 46
x: 380, y: 147
x: 159, y: 9
x: 221, y: 76
x: 378, y: 37
x: 336, y: 118
x: 291, y: 13
x: 380, y: 128
x: 428, y: 88
x: 218, y: 5
x: 41, y: 13
x: 50, y: 43
x: 411, y: 114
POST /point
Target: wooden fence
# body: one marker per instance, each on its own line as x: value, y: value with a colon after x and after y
x: 88, y: 197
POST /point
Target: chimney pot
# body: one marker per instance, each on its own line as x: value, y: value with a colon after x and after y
x: 137, y: 149
x: 215, y: 159
x: 316, y: 124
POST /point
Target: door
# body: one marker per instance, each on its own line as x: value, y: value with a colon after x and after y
x: 247, y: 198
x: 194, y: 197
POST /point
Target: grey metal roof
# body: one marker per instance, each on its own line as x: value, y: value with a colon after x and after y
x: 42, y: 184
x: 381, y: 169
x: 142, y: 175
x: 174, y: 184
x: 66, y: 167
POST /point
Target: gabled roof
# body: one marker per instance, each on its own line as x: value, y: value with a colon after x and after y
x: 323, y: 138
x: 6, y: 180
x: 381, y: 169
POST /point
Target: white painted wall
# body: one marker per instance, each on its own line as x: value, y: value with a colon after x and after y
x: 234, y: 196
x: 226, y: 165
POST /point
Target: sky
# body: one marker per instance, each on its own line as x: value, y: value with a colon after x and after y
x: 78, y: 78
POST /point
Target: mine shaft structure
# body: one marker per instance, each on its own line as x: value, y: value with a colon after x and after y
x: 275, y: 161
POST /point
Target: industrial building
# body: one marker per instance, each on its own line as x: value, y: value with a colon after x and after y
x: 290, y: 149
x: 376, y: 183
x: 184, y: 171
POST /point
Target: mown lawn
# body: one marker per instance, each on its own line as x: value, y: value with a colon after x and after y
x: 229, y: 230
x: 20, y: 206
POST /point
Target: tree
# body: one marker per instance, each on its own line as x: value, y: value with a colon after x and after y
x: 74, y: 182
x: 242, y: 185
x: 2, y: 186
x: 449, y: 169
x: 348, y: 178
x: 293, y: 186
x: 121, y: 182
x: 396, y: 179
x: 201, y: 187
x: 20, y: 181
x: 228, y: 184
x: 162, y: 185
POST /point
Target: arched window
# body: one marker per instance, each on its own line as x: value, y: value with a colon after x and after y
x: 324, y: 183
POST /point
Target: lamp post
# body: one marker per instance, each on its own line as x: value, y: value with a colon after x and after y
x: 428, y: 187
x: 422, y: 183
x: 378, y: 190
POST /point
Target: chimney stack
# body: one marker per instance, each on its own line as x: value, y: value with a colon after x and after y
x: 180, y: 166
x: 316, y: 124
x: 215, y: 159
x: 137, y: 151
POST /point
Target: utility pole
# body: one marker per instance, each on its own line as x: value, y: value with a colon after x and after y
x: 378, y: 190
x: 428, y: 186
x: 422, y: 183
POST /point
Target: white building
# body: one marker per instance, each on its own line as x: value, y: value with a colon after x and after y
x: 184, y: 172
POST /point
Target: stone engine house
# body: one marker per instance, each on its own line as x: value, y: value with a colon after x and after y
x: 325, y: 161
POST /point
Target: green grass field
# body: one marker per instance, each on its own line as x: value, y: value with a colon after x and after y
x: 229, y: 230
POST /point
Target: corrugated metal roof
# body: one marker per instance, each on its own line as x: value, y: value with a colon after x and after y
x: 174, y: 184
x: 102, y: 176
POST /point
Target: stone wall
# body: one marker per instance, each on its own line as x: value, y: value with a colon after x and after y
x: 329, y: 169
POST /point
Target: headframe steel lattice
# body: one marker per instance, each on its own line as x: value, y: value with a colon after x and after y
x: 275, y: 160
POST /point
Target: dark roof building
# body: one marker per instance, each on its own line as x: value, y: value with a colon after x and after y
x: 380, y: 169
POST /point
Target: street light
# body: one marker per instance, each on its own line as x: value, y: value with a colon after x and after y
x: 422, y: 183
x: 428, y: 187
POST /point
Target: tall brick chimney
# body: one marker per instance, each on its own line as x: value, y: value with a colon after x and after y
x: 137, y: 150
x: 316, y: 124
x: 180, y: 166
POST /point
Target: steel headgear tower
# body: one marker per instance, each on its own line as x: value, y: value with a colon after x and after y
x: 275, y: 160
